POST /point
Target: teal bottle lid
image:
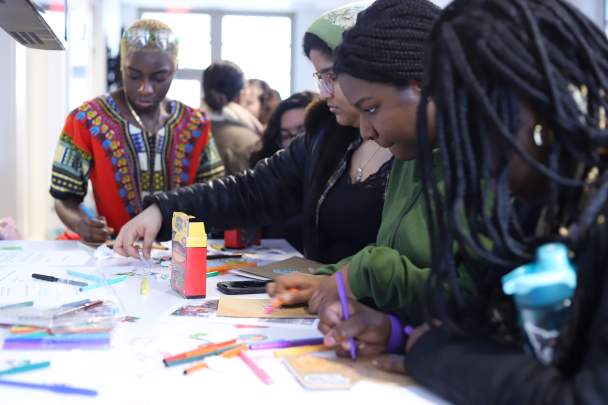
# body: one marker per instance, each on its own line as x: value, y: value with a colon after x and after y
x: 549, y: 280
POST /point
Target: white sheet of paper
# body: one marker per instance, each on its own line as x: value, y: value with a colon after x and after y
x: 43, y: 258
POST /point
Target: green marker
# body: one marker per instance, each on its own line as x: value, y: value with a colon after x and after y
x: 29, y: 367
x: 12, y: 248
x: 213, y: 274
x: 22, y: 304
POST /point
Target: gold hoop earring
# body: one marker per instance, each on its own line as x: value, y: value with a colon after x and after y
x: 538, y: 140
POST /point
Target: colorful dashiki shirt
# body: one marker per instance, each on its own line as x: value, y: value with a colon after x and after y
x: 125, y: 163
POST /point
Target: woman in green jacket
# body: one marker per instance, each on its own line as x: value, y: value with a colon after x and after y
x: 382, y: 80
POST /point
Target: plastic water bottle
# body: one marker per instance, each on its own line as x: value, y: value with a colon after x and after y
x: 542, y: 291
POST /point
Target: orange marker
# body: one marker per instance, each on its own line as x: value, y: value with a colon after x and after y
x: 278, y: 303
x: 227, y: 354
x: 201, y: 350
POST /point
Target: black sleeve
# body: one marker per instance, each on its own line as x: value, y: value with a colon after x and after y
x: 481, y: 371
x: 271, y: 192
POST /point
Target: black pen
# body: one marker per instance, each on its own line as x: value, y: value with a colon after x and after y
x: 58, y: 280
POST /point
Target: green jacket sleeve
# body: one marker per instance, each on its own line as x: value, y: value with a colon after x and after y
x: 391, y: 279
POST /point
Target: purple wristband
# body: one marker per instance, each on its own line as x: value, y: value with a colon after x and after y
x: 396, y: 341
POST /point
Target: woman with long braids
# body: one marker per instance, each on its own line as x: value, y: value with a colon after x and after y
x: 521, y: 111
x: 379, y: 67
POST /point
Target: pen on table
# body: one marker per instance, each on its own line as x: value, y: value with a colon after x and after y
x: 80, y: 308
x: 97, y: 285
x: 58, y: 280
x: 213, y: 274
x: 19, y: 305
x: 28, y: 367
x: 266, y: 379
x: 285, y: 343
x: 344, y: 302
x: 144, y: 287
x: 63, y: 389
x: 227, y: 354
x: 215, y: 257
x: 219, y: 247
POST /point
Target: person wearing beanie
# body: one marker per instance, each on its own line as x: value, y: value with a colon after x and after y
x: 316, y: 175
x: 132, y: 142
x: 379, y: 67
x: 236, y: 131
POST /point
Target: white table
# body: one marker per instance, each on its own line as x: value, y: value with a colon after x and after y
x: 131, y: 372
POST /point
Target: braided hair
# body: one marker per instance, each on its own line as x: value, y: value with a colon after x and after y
x: 483, y: 57
x: 387, y: 43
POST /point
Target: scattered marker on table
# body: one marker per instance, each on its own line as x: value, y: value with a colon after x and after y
x: 144, y: 287
x: 28, y: 367
x: 97, y: 285
x: 219, y: 247
x: 213, y: 274
x: 62, y: 389
x: 19, y: 305
x: 266, y: 379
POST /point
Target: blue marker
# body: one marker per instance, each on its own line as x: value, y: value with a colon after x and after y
x: 110, y: 281
x: 62, y: 389
x: 90, y: 214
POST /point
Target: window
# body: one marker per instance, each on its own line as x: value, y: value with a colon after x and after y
x: 261, y: 46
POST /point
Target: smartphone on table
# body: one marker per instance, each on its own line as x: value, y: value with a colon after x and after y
x: 243, y: 287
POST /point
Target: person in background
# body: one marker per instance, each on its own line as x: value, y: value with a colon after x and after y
x: 317, y: 175
x: 132, y: 142
x: 522, y: 104
x: 286, y: 124
x: 260, y: 100
x: 234, y: 128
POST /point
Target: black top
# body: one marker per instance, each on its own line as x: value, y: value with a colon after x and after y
x: 351, y: 214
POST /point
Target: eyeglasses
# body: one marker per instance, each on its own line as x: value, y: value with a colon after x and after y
x: 327, y: 79
x: 164, y: 39
x: 288, y: 136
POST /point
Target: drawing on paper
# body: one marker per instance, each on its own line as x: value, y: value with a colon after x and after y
x: 200, y: 309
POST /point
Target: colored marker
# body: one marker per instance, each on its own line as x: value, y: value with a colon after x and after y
x: 213, y: 274
x: 22, y: 304
x: 278, y: 303
x: 58, y: 280
x: 143, y: 258
x: 219, y: 247
x: 249, y: 344
x: 29, y: 367
x: 285, y: 344
x: 83, y: 275
x: 216, y: 257
x: 75, y: 304
x: 227, y: 354
x: 258, y: 371
x: 87, y: 211
x: 62, y: 389
x: 344, y: 302
x: 293, y: 351
x: 216, y: 352
x: 230, y: 267
x: 97, y: 285
x: 201, y: 350
x: 144, y: 287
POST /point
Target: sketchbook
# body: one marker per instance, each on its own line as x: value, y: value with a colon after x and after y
x: 271, y: 271
x: 254, y: 308
x: 319, y: 373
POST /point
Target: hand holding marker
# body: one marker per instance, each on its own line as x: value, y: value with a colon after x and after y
x: 346, y: 315
x: 90, y: 214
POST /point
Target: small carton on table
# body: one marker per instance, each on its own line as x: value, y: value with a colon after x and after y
x: 189, y: 275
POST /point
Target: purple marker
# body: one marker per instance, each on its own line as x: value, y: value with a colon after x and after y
x: 270, y: 345
x: 344, y: 302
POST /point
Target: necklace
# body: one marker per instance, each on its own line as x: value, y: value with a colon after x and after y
x: 141, y: 124
x: 359, y: 168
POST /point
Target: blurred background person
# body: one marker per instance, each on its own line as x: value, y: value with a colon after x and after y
x: 260, y: 100
x: 236, y: 131
x: 286, y: 124
x: 131, y: 142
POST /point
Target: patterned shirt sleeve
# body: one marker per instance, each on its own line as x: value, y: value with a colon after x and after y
x: 71, y: 165
x: 210, y: 166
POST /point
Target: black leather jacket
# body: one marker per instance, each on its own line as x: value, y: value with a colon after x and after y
x: 288, y: 183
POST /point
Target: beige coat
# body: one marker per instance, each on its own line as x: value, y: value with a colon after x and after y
x: 237, y: 134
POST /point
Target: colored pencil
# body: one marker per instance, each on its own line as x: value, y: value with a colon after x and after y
x: 293, y: 351
x: 266, y: 379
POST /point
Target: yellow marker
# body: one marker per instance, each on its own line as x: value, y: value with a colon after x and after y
x: 292, y: 351
x: 144, y: 287
x: 219, y: 247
